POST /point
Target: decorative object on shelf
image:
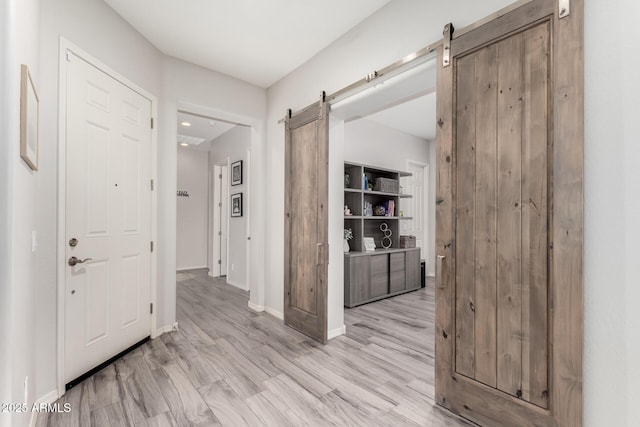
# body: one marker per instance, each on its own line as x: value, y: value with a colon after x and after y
x: 368, y: 209
x: 386, y: 240
x: 401, y: 212
x: 347, y: 180
x: 236, y: 205
x: 370, y: 186
x: 369, y: 243
x: 28, y: 119
x: 400, y: 190
x: 379, y: 211
x: 348, y: 235
x: 387, y: 185
x: 347, y: 211
x: 236, y: 173
x: 407, y: 241
x: 364, y: 181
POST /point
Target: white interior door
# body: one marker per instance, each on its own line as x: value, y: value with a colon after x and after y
x: 224, y: 229
x: 220, y: 221
x: 416, y: 207
x: 108, y: 210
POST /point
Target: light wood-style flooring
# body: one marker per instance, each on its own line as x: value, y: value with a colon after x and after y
x: 232, y: 367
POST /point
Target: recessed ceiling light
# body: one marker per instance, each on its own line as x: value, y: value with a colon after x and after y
x: 186, y: 124
x: 184, y: 144
x: 211, y: 123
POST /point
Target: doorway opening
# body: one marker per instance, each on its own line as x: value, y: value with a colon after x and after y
x: 213, y: 173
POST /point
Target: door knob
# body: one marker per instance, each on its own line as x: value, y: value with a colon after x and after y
x: 73, y: 261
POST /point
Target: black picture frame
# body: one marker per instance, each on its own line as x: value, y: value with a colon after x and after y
x: 236, y: 173
x: 236, y: 205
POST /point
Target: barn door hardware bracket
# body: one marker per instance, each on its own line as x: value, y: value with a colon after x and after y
x: 564, y: 8
x: 323, y: 105
x: 446, y: 45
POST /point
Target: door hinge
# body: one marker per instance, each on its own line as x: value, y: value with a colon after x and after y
x: 151, y: 308
x: 152, y: 246
x: 68, y: 54
x: 564, y: 8
x: 219, y: 262
x: 219, y: 233
x: 446, y: 46
x: 220, y: 176
x: 220, y: 204
x: 151, y: 185
x: 151, y: 122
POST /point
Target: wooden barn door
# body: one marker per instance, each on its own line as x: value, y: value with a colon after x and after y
x: 509, y: 219
x: 306, y: 221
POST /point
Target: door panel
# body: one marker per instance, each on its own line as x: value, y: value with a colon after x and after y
x: 499, y: 173
x: 306, y: 221
x: 108, y: 210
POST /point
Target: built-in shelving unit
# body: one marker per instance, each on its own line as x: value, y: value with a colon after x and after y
x: 383, y: 272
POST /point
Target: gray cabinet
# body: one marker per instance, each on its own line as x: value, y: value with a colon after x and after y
x: 370, y: 276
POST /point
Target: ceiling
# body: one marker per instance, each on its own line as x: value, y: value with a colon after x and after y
x: 257, y: 41
x: 202, y: 128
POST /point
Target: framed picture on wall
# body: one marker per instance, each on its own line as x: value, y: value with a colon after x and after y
x: 236, y: 205
x: 28, y: 119
x: 236, y: 173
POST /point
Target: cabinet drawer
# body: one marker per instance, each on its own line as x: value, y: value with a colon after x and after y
x: 397, y: 281
x: 379, y: 265
x: 397, y: 262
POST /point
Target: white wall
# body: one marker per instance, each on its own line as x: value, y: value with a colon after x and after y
x: 398, y: 29
x: 193, y: 211
x: 19, y: 207
x: 612, y: 216
x: 373, y: 144
x: 233, y: 145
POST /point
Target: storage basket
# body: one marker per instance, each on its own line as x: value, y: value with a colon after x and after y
x: 407, y: 241
x: 387, y: 185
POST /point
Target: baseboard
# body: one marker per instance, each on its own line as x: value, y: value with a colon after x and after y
x: 48, y: 398
x: 235, y: 284
x: 274, y: 313
x: 191, y: 268
x: 166, y: 328
x: 336, y: 332
x: 255, y: 307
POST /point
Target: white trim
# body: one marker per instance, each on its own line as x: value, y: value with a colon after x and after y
x: 275, y: 313
x: 164, y: 329
x: 236, y: 284
x: 48, y: 398
x: 258, y: 216
x: 247, y: 212
x: 65, y: 44
x: 254, y: 307
x: 191, y: 268
x: 342, y: 330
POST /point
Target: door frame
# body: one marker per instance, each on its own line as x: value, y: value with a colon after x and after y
x: 216, y: 217
x: 426, y: 235
x: 65, y: 45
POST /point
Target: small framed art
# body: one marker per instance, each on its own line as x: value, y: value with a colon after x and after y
x: 28, y: 119
x: 236, y: 205
x: 236, y: 173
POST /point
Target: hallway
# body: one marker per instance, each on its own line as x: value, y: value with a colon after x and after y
x: 230, y: 366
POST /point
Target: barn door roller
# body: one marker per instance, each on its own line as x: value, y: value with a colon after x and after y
x: 446, y: 40
x: 564, y: 8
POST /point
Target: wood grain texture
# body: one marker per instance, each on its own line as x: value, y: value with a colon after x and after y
x: 568, y: 216
x: 535, y: 236
x: 465, y: 215
x: 306, y: 220
x: 269, y: 375
x: 509, y: 210
x: 486, y: 214
x: 538, y: 165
